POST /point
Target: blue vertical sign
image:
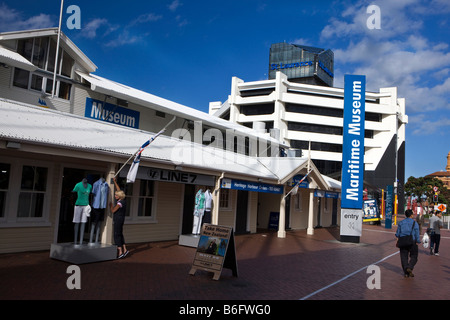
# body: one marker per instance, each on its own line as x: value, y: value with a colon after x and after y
x: 389, y: 206
x: 353, y: 158
x: 353, y: 146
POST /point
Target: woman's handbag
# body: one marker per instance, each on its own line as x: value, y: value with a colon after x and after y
x: 406, y: 241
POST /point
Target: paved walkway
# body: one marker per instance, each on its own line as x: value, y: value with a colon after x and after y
x: 298, y: 267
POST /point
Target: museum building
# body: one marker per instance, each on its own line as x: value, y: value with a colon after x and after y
x: 57, y: 130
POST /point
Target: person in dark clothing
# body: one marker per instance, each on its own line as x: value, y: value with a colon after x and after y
x: 409, y: 255
x: 119, y: 211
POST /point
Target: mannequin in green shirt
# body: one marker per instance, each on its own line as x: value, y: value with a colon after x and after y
x: 82, y: 209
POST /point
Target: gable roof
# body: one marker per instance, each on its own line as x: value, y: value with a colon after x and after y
x: 65, y: 43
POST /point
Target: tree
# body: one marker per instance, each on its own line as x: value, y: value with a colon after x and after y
x: 422, y: 189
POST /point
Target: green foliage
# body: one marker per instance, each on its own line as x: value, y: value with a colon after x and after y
x: 422, y: 188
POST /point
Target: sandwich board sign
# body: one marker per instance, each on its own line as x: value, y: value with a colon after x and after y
x: 216, y: 250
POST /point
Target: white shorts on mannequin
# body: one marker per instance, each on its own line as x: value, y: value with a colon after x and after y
x: 81, y: 214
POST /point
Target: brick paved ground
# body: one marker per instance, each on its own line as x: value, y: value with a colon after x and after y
x: 269, y: 269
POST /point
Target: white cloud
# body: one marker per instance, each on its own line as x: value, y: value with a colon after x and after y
x: 91, y: 28
x: 13, y: 20
x: 399, y: 55
x: 175, y: 5
x: 148, y: 17
x: 425, y: 125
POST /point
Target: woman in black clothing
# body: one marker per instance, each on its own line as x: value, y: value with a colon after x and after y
x: 119, y: 211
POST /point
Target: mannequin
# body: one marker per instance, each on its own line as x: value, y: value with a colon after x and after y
x: 198, y: 211
x: 82, y: 209
x: 208, y: 206
x: 100, y: 191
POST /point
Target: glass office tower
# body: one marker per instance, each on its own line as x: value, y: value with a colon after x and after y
x: 302, y: 64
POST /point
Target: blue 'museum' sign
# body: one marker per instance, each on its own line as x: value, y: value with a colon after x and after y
x: 353, y: 147
x: 107, y: 112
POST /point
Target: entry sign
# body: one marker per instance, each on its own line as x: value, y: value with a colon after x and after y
x: 216, y: 250
x: 353, y: 157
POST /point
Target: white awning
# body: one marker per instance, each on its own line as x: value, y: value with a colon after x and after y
x: 13, y: 59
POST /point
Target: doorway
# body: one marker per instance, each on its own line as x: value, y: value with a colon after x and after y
x: 241, y: 212
x: 188, y: 209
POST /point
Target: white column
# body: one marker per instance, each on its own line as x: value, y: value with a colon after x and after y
x: 282, y: 219
x: 216, y: 201
x: 108, y: 231
x: 310, y: 230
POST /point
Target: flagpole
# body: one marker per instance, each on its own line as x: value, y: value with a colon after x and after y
x: 298, y: 184
x: 151, y: 140
x: 57, y: 49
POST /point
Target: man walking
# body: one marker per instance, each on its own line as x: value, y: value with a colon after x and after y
x: 408, y: 255
x: 435, y: 225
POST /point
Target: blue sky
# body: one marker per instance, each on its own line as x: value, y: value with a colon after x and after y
x: 188, y: 50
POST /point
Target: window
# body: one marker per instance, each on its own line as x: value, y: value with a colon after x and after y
x: 5, y: 170
x: 317, y: 146
x: 258, y: 109
x: 36, y: 82
x: 21, y: 78
x: 64, y: 90
x: 42, y: 53
x: 32, y: 192
x: 140, y: 199
x: 67, y: 65
x: 41, y: 84
x: 297, y: 201
x: 224, y: 202
x: 146, y: 195
x: 25, y: 48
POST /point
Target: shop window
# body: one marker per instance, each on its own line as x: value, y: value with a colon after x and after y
x: 146, y: 196
x: 224, y: 202
x: 32, y: 192
x: 5, y: 170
